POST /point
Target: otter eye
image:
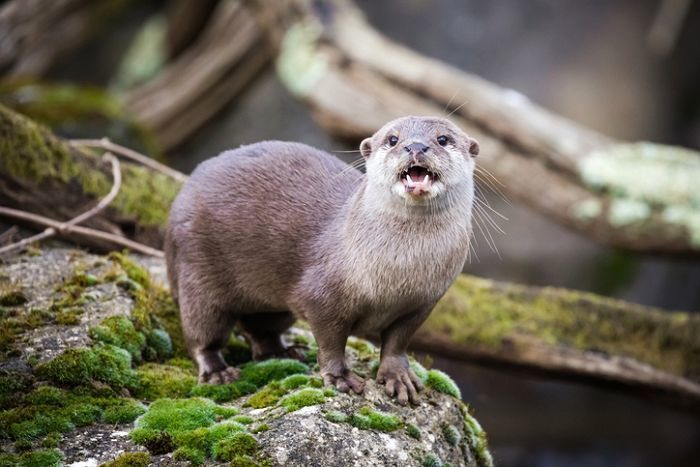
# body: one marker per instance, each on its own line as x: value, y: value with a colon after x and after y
x: 442, y: 140
x: 393, y: 140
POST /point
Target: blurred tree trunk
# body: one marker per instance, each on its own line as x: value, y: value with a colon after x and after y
x: 35, y: 34
x: 227, y: 55
x: 355, y: 80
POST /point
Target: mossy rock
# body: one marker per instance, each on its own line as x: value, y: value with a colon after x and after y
x: 128, y: 372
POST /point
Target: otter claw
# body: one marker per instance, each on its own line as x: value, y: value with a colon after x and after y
x: 227, y: 375
x: 402, y: 383
x: 345, y: 382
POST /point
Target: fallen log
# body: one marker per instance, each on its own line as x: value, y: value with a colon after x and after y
x: 568, y: 334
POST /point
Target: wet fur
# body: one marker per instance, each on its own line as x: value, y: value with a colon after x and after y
x: 275, y: 231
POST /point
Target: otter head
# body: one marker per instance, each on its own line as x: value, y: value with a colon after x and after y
x: 419, y: 159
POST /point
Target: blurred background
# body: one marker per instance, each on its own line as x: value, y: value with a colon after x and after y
x: 629, y: 69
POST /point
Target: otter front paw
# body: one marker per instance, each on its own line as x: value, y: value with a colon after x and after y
x: 227, y: 375
x: 399, y: 381
x: 344, y: 381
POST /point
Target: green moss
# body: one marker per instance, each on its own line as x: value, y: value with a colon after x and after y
x: 120, y: 331
x: 302, y: 398
x: 261, y: 373
x: 82, y: 414
x: 369, y: 419
x: 177, y: 415
x: 266, y: 397
x: 260, y: 428
x: 238, y: 444
x: 451, y: 434
x: 157, y: 442
x: 244, y: 419
x: 336, y: 416
x: 133, y: 270
x: 13, y: 297
x: 51, y: 440
x: 418, y: 369
x: 23, y: 445
x: 484, y: 314
x: 476, y: 439
x: 159, y: 340
x: 439, y: 381
x: 192, y: 455
x: 83, y: 366
x: 431, y: 460
x: 223, y: 392
x: 41, y: 458
x: 413, y: 431
x: 365, y: 350
x: 160, y: 380
x: 294, y: 382
x: 12, y: 388
x: 129, y: 459
x: 126, y: 411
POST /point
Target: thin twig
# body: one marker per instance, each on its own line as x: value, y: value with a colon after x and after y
x: 79, y: 230
x: 107, y: 145
x: 60, y: 228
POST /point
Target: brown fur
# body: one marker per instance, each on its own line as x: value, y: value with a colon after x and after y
x: 275, y: 231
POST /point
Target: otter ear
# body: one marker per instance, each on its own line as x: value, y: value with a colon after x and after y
x: 473, y: 147
x: 366, y: 147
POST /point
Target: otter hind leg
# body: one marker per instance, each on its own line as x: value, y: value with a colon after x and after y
x: 207, y: 328
x: 263, y: 332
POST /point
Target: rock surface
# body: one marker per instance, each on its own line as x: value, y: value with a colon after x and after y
x: 93, y: 370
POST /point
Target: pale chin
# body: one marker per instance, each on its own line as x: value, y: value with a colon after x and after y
x: 399, y: 189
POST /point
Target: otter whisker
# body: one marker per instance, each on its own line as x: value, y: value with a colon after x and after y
x: 485, y: 232
x: 444, y: 109
x: 457, y: 108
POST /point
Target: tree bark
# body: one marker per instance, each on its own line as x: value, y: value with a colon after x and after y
x: 355, y: 80
x: 43, y: 174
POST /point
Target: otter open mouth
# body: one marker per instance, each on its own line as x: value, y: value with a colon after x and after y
x: 418, y: 179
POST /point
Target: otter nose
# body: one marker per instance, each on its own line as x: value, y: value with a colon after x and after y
x: 416, y: 148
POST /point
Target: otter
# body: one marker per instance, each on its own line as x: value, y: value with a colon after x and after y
x: 276, y: 231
